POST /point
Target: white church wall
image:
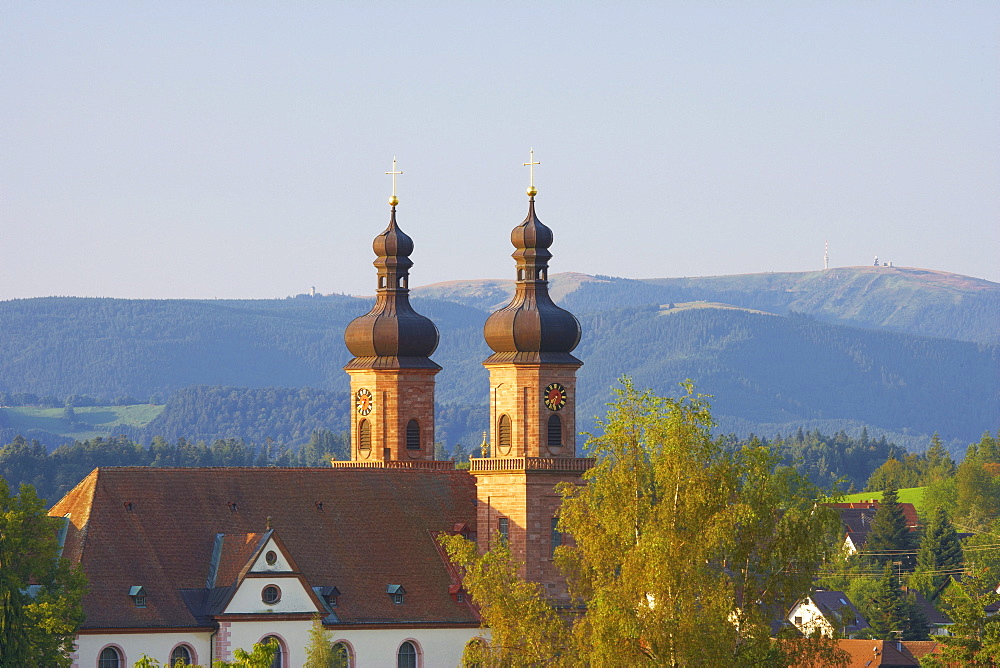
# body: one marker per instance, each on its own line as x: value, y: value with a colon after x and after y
x: 133, y: 645
x: 294, y: 597
x: 280, y: 564
x: 376, y: 648
x: 293, y: 634
x: 371, y: 648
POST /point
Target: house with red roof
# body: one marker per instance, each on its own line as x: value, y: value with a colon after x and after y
x: 191, y: 564
x: 858, y: 516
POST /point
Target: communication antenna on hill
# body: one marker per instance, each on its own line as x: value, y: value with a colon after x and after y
x: 826, y: 254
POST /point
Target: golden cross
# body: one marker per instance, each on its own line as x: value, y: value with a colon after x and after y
x: 394, y: 173
x: 531, y: 167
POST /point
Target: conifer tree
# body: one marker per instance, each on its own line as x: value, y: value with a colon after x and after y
x: 940, y: 552
x: 887, y: 609
x: 889, y: 539
x: 892, y: 612
x: 939, y: 464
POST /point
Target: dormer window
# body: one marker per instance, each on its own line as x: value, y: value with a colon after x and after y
x: 138, y: 594
x: 328, y: 594
x: 396, y: 593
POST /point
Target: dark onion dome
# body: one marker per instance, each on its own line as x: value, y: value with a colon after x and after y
x: 392, y: 335
x: 531, y: 329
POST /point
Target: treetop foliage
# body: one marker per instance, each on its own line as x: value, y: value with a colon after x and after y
x: 40, y: 592
x: 682, y: 551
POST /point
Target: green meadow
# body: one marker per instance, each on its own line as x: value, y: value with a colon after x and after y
x: 914, y: 495
x: 89, y: 421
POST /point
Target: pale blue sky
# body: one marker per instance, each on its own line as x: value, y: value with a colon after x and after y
x: 223, y: 149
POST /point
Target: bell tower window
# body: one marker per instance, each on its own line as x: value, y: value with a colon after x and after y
x: 555, y: 432
x: 503, y: 434
x: 412, y: 435
x: 364, y: 435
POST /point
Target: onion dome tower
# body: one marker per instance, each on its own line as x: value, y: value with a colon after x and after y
x: 532, y: 413
x: 532, y: 370
x: 392, y: 375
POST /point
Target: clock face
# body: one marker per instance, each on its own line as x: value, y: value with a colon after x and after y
x: 363, y: 401
x: 555, y: 396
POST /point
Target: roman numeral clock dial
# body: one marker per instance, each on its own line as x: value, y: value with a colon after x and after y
x: 555, y: 396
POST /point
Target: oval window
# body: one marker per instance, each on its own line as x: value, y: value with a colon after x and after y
x: 270, y: 595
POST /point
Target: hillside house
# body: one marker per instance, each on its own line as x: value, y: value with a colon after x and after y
x: 829, y: 612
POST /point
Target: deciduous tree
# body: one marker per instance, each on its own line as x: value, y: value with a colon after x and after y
x: 40, y: 593
x: 682, y: 552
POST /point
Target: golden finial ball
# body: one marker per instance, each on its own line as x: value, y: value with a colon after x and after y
x: 532, y: 191
x: 393, y: 200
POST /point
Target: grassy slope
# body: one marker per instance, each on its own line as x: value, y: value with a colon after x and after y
x: 914, y: 495
x: 92, y: 421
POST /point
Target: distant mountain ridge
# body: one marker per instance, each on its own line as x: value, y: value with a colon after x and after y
x: 901, y: 351
x: 924, y: 302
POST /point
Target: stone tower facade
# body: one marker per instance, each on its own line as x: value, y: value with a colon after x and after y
x: 392, y: 375
x: 532, y: 413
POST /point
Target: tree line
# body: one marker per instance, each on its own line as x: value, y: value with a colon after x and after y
x: 54, y: 473
x: 764, y: 369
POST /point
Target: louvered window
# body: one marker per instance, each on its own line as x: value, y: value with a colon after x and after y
x: 555, y: 431
x: 503, y: 434
x: 365, y: 435
x: 412, y: 435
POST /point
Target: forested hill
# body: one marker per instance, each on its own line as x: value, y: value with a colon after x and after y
x: 915, y: 301
x: 109, y: 347
x: 768, y: 373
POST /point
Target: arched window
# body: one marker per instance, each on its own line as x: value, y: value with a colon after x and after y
x: 181, y: 653
x: 503, y: 434
x: 406, y: 657
x: 555, y: 431
x: 278, y: 661
x: 343, y: 654
x: 364, y: 435
x: 412, y: 435
x: 110, y: 658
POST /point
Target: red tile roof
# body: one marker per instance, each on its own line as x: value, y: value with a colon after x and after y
x: 375, y: 528
x: 883, y: 653
x: 909, y: 511
x: 236, y: 553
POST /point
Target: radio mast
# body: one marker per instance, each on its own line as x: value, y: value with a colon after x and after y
x: 826, y: 255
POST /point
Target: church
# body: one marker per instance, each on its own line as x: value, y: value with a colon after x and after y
x: 190, y: 564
